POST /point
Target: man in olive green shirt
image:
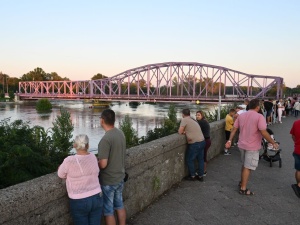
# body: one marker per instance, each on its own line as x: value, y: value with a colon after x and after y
x: 111, y: 154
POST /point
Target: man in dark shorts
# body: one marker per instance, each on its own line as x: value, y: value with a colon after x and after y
x: 295, y: 132
x: 268, y: 107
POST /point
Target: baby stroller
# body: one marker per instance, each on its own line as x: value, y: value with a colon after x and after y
x: 268, y: 152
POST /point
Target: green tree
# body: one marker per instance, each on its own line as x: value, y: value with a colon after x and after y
x: 21, y: 156
x: 38, y: 74
x: 43, y: 105
x: 130, y: 133
x: 61, y: 135
x: 98, y: 76
x: 11, y: 95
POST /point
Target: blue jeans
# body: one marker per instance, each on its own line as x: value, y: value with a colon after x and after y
x: 87, y: 211
x: 195, y: 151
x: 113, y: 198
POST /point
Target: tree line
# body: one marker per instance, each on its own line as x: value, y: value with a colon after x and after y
x: 11, y: 84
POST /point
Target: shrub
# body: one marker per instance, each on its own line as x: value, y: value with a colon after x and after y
x: 11, y: 95
x: 130, y: 133
x: 43, y: 105
x: 169, y: 126
x: 61, y: 135
x: 28, y: 152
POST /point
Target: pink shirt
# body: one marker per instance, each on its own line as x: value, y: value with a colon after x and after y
x: 81, y: 174
x: 250, y: 124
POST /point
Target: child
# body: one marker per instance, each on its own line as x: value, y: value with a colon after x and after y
x: 228, y: 127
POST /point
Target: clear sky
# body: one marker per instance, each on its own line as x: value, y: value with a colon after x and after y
x: 78, y: 39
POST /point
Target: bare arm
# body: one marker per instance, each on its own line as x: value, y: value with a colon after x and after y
x: 102, y: 163
x: 181, y: 130
x: 232, y: 133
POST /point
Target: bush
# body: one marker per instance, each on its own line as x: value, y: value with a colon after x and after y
x: 43, y: 105
x: 11, y: 95
x: 28, y: 152
x: 130, y: 133
x: 61, y: 135
x: 169, y: 126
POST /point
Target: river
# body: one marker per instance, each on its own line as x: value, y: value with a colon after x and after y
x: 86, y: 120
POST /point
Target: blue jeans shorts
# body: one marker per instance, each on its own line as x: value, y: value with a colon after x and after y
x: 297, y: 161
x: 112, y: 197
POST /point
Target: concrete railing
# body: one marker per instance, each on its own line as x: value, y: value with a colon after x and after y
x: 153, y: 168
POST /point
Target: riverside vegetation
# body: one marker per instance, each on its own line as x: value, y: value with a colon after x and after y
x: 43, y: 105
x: 29, y: 152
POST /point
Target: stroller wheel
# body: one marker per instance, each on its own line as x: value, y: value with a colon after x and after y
x: 280, y: 164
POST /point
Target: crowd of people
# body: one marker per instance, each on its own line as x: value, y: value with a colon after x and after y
x: 275, y: 110
x: 250, y: 120
x: 95, y: 184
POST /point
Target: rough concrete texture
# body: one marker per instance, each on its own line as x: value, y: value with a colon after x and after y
x: 153, y: 169
x: 217, y: 201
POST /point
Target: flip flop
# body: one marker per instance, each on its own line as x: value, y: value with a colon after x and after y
x: 296, y: 190
x: 246, y: 192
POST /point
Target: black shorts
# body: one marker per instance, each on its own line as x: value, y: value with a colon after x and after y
x: 227, y: 133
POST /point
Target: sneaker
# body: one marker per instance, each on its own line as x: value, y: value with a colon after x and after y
x: 280, y: 122
x: 227, y: 153
x: 189, y: 178
x: 199, y: 178
x: 204, y: 174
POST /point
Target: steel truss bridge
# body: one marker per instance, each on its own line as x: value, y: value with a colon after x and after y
x: 161, y: 82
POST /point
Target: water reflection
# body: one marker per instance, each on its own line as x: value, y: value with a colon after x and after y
x: 86, y: 120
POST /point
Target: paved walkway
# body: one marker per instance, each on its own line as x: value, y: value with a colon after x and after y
x: 217, y: 201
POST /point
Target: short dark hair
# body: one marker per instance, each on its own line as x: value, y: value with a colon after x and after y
x: 254, y: 103
x: 108, y: 116
x: 186, y: 112
x: 232, y: 110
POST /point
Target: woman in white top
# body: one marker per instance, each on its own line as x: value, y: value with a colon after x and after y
x: 81, y: 173
x: 280, y: 108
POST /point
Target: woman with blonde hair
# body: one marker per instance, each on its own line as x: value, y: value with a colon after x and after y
x: 81, y: 173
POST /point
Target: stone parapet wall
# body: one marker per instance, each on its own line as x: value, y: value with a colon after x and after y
x: 153, y: 168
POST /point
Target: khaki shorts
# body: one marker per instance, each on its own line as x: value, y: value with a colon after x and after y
x: 249, y: 158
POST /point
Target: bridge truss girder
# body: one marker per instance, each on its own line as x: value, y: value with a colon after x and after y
x: 172, y: 80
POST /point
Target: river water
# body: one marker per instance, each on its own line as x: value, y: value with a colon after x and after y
x: 86, y: 120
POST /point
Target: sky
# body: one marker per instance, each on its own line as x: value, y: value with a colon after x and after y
x: 78, y: 39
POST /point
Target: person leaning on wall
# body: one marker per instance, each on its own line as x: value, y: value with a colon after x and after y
x: 81, y: 172
x: 205, y: 127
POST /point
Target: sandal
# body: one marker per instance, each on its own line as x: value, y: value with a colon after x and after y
x: 246, y: 192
